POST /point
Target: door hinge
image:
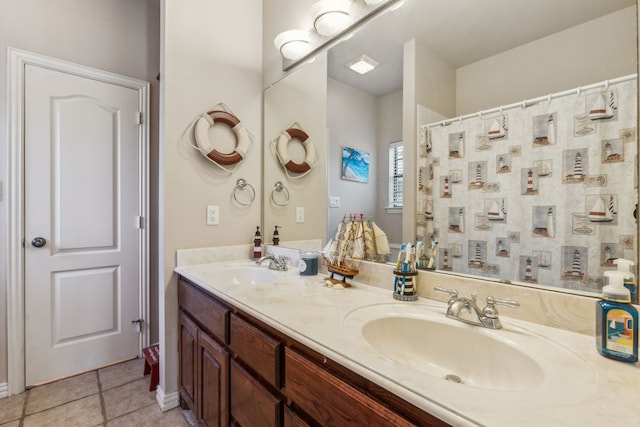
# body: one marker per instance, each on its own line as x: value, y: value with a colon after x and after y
x: 139, y: 118
x: 141, y: 222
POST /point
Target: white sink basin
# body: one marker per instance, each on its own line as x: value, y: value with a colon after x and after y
x: 453, y: 352
x: 420, y: 340
x: 247, y: 275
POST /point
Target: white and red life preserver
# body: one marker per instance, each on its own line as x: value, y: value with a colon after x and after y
x: 243, y: 139
x: 283, y: 153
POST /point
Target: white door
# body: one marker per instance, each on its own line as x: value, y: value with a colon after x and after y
x: 81, y: 223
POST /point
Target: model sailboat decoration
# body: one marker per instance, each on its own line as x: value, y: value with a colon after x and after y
x: 355, y: 240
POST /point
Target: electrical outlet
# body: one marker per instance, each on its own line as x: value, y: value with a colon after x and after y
x: 334, y: 202
x: 213, y: 215
x: 299, y: 214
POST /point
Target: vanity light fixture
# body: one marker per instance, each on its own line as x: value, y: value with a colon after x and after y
x: 330, y: 16
x: 371, y: 2
x: 293, y: 44
x: 362, y: 64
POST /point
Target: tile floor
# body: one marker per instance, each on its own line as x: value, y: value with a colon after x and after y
x: 117, y: 395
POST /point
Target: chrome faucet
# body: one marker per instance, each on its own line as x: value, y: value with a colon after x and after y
x: 457, y: 307
x: 275, y: 262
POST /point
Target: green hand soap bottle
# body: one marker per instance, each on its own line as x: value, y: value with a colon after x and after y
x: 617, y: 321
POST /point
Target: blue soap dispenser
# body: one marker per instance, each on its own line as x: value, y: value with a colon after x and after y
x: 617, y: 321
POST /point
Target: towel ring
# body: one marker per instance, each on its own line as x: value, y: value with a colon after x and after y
x: 242, y: 185
x: 279, y: 188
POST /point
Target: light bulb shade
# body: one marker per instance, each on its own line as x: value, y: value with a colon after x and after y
x: 330, y: 16
x: 293, y: 44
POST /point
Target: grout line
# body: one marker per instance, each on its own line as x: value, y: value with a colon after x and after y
x: 24, y: 407
x: 103, y: 407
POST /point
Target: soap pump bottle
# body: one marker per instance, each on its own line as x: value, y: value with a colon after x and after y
x: 257, y: 244
x: 616, y: 321
x: 276, y: 236
x: 629, y: 281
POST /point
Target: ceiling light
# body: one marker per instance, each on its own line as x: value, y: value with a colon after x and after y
x: 373, y: 1
x: 362, y: 64
x: 330, y: 16
x: 293, y: 44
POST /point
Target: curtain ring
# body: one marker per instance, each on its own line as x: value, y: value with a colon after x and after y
x: 279, y: 188
x: 242, y: 185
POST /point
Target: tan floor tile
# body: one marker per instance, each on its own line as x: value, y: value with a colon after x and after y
x: 127, y: 398
x: 11, y: 408
x: 151, y: 416
x: 15, y: 423
x: 82, y: 413
x: 117, y: 375
x: 60, y: 392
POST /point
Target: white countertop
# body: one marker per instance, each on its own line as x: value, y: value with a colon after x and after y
x: 579, y: 388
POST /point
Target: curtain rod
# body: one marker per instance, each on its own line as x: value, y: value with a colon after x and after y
x: 529, y: 102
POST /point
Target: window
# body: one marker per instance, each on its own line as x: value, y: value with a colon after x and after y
x: 395, y: 174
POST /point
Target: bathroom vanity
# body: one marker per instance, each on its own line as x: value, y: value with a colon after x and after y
x: 264, y: 347
x: 233, y: 366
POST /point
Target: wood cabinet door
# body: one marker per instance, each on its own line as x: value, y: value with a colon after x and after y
x: 251, y: 403
x: 329, y: 400
x: 213, y: 382
x: 188, y: 339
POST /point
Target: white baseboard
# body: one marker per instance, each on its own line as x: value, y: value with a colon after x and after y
x: 4, y: 390
x: 167, y: 401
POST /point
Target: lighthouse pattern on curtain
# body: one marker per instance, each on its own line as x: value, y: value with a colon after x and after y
x: 541, y: 194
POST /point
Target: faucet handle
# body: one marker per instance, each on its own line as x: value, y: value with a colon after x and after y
x: 452, y: 292
x: 491, y: 312
x: 507, y: 302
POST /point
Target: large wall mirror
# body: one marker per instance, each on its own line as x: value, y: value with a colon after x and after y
x: 439, y: 60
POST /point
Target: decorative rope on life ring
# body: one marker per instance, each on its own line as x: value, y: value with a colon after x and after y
x: 283, y: 153
x: 204, y: 144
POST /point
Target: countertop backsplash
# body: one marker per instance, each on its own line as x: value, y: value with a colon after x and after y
x: 562, y: 310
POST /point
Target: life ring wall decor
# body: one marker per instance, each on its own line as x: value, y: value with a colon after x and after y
x: 283, y: 152
x: 206, y: 146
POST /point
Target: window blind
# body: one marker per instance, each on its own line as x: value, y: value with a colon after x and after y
x: 395, y: 174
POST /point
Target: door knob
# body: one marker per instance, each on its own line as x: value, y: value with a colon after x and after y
x: 39, y: 242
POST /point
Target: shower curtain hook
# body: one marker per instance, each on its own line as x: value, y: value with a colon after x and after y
x: 606, y: 84
x: 549, y: 98
x: 524, y: 104
x: 579, y: 91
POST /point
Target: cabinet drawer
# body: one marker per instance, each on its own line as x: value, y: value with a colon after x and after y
x: 251, y: 403
x: 256, y: 349
x: 307, y: 385
x: 209, y: 314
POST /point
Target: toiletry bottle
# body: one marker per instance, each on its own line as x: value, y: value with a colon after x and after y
x: 276, y: 236
x: 257, y: 244
x: 616, y: 321
x: 624, y: 265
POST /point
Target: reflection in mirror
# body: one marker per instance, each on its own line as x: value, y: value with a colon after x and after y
x: 441, y: 61
x: 533, y: 192
x: 294, y: 197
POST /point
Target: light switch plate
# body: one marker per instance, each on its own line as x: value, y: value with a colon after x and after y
x: 299, y: 214
x: 334, y: 202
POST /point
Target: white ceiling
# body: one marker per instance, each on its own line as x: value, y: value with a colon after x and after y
x: 461, y: 31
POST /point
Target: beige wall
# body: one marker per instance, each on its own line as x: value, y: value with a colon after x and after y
x: 429, y: 80
x: 212, y: 51
x: 298, y: 100
x: 388, y: 129
x: 91, y: 33
x: 555, y: 63
x: 352, y: 120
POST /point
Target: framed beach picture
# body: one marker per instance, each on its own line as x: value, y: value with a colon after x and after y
x: 355, y: 165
